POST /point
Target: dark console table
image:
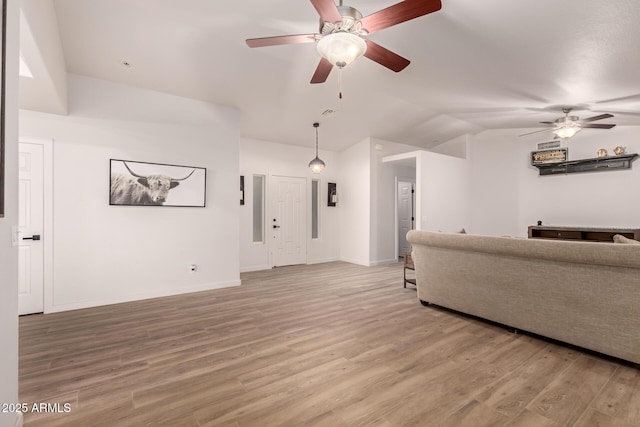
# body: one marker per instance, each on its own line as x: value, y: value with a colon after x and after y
x: 578, y: 233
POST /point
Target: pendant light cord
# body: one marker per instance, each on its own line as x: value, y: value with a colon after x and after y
x: 316, y: 125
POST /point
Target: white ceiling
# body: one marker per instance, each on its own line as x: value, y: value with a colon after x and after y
x: 475, y: 65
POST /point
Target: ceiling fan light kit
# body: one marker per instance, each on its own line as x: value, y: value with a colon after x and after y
x: 341, y: 48
x: 567, y: 131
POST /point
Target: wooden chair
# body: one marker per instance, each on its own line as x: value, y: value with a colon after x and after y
x: 408, y: 265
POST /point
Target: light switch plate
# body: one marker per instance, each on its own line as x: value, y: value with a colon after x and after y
x: 15, y: 235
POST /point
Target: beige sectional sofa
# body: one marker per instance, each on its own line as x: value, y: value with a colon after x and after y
x: 582, y: 293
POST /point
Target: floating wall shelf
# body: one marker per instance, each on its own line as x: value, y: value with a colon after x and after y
x: 588, y: 165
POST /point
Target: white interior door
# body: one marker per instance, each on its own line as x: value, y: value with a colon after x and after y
x: 405, y: 215
x: 288, y: 223
x: 31, y: 226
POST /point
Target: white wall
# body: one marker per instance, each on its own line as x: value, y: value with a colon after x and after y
x: 495, y: 184
x: 42, y: 51
x: 9, y: 254
x: 509, y: 195
x: 383, y: 199
x: 355, y: 203
x: 108, y: 254
x: 444, y: 192
x: 269, y: 159
x: 456, y: 147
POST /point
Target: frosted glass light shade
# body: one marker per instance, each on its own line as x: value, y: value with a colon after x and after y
x: 316, y: 165
x: 567, y: 131
x: 341, y: 48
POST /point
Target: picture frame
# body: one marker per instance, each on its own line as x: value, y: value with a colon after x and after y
x: 543, y: 157
x: 3, y: 43
x: 135, y: 183
x: 332, y: 194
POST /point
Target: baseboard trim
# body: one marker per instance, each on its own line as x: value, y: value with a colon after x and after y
x: 18, y: 420
x: 357, y: 262
x: 322, y: 260
x: 142, y: 296
x: 368, y: 263
x: 383, y: 262
x: 254, y: 268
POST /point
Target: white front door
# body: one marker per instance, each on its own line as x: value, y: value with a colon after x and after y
x: 405, y: 215
x: 31, y: 226
x: 288, y: 223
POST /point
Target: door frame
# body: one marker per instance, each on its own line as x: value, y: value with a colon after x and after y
x: 47, y: 232
x: 398, y: 179
x: 269, y: 209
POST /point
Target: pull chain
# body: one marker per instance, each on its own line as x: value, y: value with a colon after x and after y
x: 340, y: 94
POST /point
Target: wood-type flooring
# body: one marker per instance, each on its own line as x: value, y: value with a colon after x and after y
x: 333, y: 344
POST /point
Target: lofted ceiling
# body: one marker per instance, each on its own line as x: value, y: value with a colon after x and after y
x: 475, y: 65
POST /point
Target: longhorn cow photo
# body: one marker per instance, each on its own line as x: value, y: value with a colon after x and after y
x: 154, y: 184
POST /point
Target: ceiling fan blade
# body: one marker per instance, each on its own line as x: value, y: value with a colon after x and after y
x: 548, y: 123
x: 621, y: 112
x: 622, y: 98
x: 322, y: 72
x: 594, y: 118
x: 327, y: 10
x: 597, y: 126
x: 398, y: 13
x: 278, y: 40
x: 385, y: 57
x: 538, y: 131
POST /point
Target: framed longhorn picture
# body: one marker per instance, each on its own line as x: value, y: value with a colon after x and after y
x: 154, y: 184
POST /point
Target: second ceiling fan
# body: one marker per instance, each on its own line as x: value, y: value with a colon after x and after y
x: 342, y: 37
x: 568, y: 126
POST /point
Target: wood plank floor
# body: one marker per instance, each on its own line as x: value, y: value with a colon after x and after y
x: 323, y: 345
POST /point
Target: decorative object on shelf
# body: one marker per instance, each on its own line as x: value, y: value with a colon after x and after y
x: 155, y: 184
x: 332, y: 191
x: 602, y: 152
x: 316, y: 165
x: 588, y: 165
x: 549, y: 156
x: 242, y: 189
x: 619, y: 150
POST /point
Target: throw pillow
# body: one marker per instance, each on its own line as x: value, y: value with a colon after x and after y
x: 619, y: 238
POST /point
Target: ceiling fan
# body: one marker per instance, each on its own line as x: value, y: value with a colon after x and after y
x: 568, y: 126
x: 342, y: 37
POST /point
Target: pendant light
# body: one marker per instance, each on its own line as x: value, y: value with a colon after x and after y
x: 316, y: 165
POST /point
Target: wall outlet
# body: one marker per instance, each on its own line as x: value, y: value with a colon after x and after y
x: 193, y: 267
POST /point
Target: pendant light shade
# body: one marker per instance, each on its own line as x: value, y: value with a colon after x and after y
x: 316, y: 165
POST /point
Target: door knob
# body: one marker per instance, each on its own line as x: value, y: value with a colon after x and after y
x: 34, y: 237
x: 276, y: 226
